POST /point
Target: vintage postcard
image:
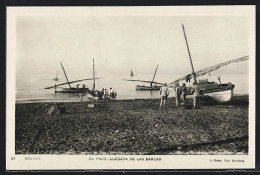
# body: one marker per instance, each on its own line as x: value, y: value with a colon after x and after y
x: 130, y: 88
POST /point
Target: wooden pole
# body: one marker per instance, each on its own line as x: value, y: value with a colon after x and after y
x: 154, y: 74
x: 193, y: 73
x: 94, y: 76
x: 57, y: 74
x: 65, y: 75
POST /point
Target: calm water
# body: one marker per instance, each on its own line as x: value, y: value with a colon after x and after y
x: 30, y: 88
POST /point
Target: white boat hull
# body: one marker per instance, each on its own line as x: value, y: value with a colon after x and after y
x: 142, y: 87
x: 223, y: 96
x: 90, y: 96
x: 220, y: 97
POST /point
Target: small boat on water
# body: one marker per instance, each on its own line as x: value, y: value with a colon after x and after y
x: 72, y: 90
x: 94, y: 93
x: 131, y: 74
x: 143, y: 87
x: 221, y: 92
x: 153, y: 85
x: 56, y: 78
x: 77, y: 89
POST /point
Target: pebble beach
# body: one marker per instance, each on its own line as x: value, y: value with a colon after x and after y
x: 137, y: 127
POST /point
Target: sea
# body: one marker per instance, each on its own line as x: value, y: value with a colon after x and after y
x: 30, y: 88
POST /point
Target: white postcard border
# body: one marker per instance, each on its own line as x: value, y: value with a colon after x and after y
x: 66, y: 162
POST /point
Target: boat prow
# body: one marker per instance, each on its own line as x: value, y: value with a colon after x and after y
x: 89, y: 96
x: 222, y: 96
x: 95, y: 95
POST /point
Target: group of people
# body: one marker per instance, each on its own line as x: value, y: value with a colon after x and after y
x: 108, y: 95
x: 104, y: 94
x: 83, y: 86
x: 180, y: 93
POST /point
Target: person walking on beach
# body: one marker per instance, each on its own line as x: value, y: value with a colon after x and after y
x: 111, y: 93
x: 184, y: 91
x: 178, y: 91
x: 102, y: 93
x: 115, y: 94
x: 164, y: 93
x: 105, y: 94
x: 196, y: 96
x: 81, y: 97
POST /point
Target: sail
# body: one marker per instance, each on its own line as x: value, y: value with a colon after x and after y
x: 132, y: 74
x: 144, y: 81
x: 209, y: 69
x: 70, y: 82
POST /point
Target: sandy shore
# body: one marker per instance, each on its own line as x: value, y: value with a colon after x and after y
x: 132, y: 127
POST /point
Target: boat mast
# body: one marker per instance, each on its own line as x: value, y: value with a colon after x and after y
x: 65, y: 74
x: 93, y: 75
x: 193, y: 73
x: 154, y: 75
x: 57, y: 74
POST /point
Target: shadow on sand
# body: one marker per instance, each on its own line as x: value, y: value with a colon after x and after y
x: 184, y: 148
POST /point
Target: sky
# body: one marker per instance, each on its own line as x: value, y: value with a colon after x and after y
x: 121, y: 43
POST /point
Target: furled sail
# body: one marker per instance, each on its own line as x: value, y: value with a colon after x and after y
x: 208, y: 70
x: 70, y: 82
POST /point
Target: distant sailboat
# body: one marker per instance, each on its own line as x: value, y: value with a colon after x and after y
x: 56, y: 78
x: 153, y: 85
x: 132, y: 74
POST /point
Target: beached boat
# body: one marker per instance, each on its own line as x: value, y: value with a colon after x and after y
x: 220, y: 92
x: 153, y: 85
x: 77, y: 89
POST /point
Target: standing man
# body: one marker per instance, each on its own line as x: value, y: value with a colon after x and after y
x: 196, y: 96
x: 184, y: 90
x: 111, y: 93
x: 102, y: 93
x: 105, y: 94
x: 164, y: 93
x: 178, y: 91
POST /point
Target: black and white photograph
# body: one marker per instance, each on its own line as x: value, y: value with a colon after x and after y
x: 133, y: 87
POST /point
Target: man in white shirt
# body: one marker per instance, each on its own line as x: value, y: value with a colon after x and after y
x: 111, y: 93
x: 164, y: 93
x: 196, y: 96
x: 105, y: 94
